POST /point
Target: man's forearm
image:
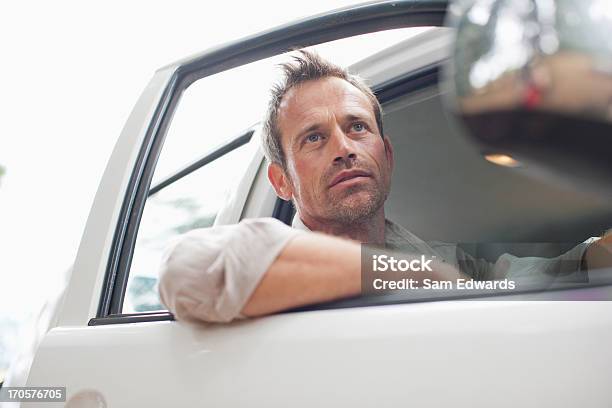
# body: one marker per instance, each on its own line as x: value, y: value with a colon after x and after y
x: 314, y: 268
x: 311, y: 268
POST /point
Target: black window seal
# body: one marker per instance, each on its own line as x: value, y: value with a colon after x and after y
x: 408, y: 83
x: 131, y: 318
x: 135, y: 193
x: 209, y: 157
x: 283, y: 211
x: 342, y: 23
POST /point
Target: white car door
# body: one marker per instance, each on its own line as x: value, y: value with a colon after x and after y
x: 113, y: 345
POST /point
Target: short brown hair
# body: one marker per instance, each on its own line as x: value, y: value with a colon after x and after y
x: 305, y: 66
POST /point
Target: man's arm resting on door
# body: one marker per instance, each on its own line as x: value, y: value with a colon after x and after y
x: 258, y: 267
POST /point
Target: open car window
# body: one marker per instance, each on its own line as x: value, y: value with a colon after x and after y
x: 474, y: 212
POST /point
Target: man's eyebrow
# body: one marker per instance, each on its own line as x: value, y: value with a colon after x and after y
x: 352, y: 117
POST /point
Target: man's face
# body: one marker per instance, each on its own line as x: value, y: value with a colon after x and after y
x: 338, y: 165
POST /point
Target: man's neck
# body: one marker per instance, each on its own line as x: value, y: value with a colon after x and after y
x: 371, y: 231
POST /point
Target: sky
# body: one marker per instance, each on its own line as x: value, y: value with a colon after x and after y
x: 71, y: 72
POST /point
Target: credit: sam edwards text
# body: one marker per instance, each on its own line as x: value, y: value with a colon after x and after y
x: 431, y: 284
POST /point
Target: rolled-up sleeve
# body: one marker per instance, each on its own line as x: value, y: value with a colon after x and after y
x: 209, y: 274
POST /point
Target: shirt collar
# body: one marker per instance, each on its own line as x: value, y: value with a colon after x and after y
x: 298, y: 224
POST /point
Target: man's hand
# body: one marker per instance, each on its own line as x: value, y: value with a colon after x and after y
x: 599, y: 254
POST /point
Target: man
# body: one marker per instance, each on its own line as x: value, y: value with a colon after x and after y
x: 323, y: 137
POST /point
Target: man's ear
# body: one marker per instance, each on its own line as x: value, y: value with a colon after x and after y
x: 389, y: 152
x: 279, y: 180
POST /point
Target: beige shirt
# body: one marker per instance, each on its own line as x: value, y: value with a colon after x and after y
x: 209, y: 274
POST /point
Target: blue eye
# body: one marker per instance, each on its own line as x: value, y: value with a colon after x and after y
x: 315, y: 137
x: 358, y: 127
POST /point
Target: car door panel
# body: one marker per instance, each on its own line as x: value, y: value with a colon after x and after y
x: 477, y: 354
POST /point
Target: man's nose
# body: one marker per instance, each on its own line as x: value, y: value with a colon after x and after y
x: 343, y: 146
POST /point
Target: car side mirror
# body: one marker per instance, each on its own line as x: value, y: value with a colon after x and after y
x: 531, y: 80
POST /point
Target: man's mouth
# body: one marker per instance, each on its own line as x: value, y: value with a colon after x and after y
x: 348, y: 175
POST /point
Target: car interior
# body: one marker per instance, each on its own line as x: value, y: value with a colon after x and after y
x: 443, y: 189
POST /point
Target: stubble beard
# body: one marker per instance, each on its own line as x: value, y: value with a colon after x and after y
x: 350, y: 210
